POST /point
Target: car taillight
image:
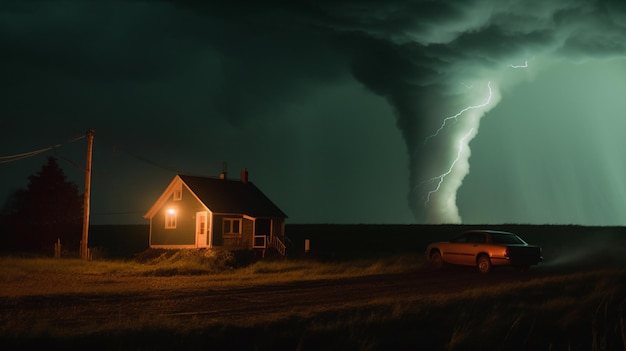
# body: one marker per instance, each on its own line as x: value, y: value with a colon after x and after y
x: 506, y: 252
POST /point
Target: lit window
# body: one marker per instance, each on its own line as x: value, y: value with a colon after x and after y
x: 232, y: 226
x: 170, y: 219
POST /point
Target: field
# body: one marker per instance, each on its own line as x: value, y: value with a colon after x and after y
x: 345, y: 294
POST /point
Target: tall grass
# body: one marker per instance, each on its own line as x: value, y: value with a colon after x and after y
x: 12, y: 268
x: 583, y: 311
x: 575, y: 311
x: 219, y: 265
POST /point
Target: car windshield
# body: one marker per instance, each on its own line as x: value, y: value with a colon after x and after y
x: 503, y: 238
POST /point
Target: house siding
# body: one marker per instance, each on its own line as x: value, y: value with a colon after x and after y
x: 277, y: 227
x: 218, y: 237
x: 185, y: 231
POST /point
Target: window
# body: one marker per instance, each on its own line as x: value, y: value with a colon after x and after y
x: 477, y: 238
x: 232, y: 226
x: 178, y: 192
x: 170, y: 219
x: 507, y: 239
x: 461, y: 238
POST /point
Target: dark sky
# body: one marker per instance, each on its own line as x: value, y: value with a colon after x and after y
x: 342, y: 111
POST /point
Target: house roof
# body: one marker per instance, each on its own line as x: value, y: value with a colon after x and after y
x: 229, y: 196
x: 232, y: 196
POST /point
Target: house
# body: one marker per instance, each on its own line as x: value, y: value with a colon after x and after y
x: 200, y: 212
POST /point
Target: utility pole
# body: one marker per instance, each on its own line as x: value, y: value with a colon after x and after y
x: 84, y: 246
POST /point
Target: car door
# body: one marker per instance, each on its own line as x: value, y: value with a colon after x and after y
x: 474, y: 244
x: 454, y: 251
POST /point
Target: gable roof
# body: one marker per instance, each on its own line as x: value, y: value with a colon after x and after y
x: 227, y: 196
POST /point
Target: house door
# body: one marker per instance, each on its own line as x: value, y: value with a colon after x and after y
x: 201, y: 229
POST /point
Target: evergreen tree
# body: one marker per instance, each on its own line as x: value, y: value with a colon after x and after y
x: 50, y: 208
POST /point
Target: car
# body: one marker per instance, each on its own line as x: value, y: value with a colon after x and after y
x: 484, y: 249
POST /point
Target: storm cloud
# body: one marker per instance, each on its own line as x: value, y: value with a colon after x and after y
x: 368, y: 105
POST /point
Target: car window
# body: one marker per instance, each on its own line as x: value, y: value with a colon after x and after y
x: 460, y: 239
x: 506, y: 239
x: 477, y: 238
x: 470, y: 238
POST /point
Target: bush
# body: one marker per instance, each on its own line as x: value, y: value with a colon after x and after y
x: 191, y: 261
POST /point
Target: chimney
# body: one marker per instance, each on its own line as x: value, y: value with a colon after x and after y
x: 244, y: 175
x: 223, y: 174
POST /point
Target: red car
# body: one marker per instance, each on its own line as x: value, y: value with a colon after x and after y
x: 484, y: 249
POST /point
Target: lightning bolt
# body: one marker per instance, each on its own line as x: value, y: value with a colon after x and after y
x: 445, y: 120
x: 525, y: 65
x: 443, y: 176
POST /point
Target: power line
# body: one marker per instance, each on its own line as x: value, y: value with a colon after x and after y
x: 141, y: 158
x: 17, y: 157
x: 117, y: 213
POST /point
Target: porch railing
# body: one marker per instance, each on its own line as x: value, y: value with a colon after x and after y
x: 263, y: 242
x: 276, y: 243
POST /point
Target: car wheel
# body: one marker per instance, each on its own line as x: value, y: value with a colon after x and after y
x: 435, y: 260
x: 483, y: 263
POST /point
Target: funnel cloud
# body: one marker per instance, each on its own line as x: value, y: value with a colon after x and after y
x: 431, y: 58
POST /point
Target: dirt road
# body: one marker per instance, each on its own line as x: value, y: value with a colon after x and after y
x: 193, y: 298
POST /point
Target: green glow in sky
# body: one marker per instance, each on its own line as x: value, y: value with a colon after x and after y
x: 553, y: 150
x: 328, y: 104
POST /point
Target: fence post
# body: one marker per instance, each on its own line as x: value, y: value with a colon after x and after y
x: 57, y: 249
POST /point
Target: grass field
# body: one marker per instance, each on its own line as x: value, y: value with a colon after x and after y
x: 575, y: 311
x: 580, y: 306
